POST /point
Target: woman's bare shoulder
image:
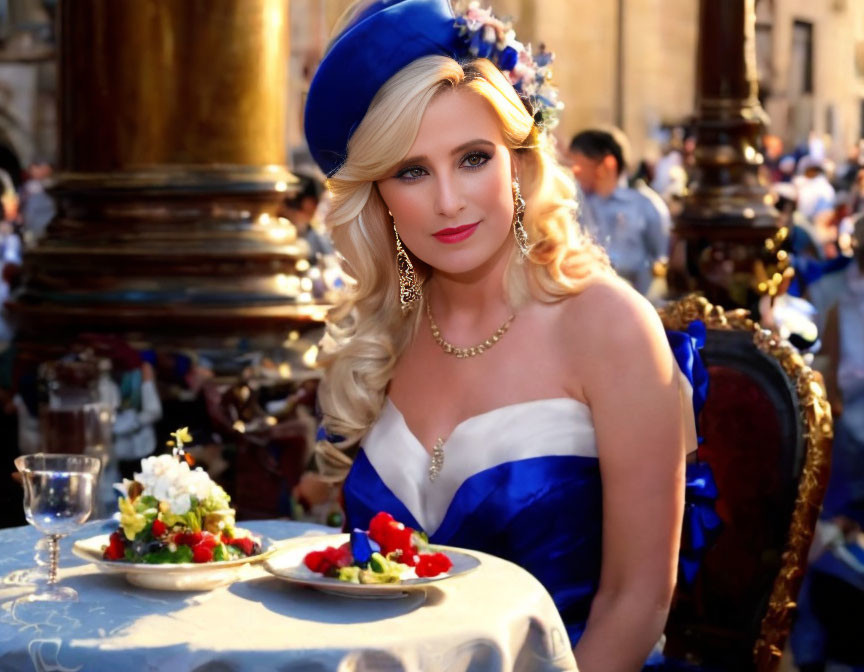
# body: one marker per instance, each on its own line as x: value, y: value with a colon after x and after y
x: 610, y: 326
x: 607, y: 306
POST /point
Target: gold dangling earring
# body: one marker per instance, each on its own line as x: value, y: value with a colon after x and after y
x: 518, y: 228
x: 409, y: 286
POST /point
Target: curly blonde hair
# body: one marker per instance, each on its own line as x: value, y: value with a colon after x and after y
x: 366, y: 331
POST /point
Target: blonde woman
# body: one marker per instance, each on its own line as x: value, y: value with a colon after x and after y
x: 489, y: 379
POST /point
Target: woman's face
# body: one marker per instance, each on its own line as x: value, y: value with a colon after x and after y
x: 451, y: 198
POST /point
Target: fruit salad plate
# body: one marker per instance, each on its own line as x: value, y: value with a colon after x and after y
x: 289, y: 564
x: 170, y: 576
x: 176, y: 529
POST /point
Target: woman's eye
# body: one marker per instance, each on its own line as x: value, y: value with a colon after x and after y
x: 475, y: 159
x: 411, y: 173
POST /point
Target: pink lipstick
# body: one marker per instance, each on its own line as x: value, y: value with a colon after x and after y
x: 456, y: 234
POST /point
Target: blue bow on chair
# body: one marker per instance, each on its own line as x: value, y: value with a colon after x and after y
x: 701, y: 523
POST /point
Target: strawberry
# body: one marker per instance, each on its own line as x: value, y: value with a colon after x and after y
x: 379, y: 525
x: 158, y: 528
x: 328, y: 560
x: 202, y: 553
x: 393, y: 537
x: 315, y: 561
x: 246, y: 545
x: 188, y: 538
x: 432, y: 564
x: 116, y: 548
x: 208, y: 540
x: 343, y: 556
x: 399, y: 538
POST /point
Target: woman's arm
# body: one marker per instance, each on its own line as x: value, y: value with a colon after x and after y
x: 631, y: 382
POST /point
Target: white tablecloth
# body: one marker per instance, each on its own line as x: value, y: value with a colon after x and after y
x: 497, y: 617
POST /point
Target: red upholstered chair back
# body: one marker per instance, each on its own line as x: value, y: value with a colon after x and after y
x: 765, y: 429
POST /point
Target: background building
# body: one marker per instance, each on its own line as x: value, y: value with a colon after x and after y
x: 634, y: 68
x: 632, y: 63
x: 811, y: 69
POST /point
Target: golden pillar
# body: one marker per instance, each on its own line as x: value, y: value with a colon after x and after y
x: 172, y: 147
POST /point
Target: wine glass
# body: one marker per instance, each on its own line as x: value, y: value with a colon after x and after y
x: 59, y: 498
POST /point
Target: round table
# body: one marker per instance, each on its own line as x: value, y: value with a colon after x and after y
x: 497, y: 617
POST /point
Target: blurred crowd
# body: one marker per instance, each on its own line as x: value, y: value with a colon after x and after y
x: 819, y: 308
x: 25, y: 211
x: 628, y: 207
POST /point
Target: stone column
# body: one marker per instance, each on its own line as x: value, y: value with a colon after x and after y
x: 720, y: 237
x: 172, y: 151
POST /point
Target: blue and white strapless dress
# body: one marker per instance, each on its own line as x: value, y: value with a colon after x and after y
x: 521, y: 482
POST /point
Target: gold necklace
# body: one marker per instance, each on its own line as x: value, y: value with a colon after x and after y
x: 474, y: 350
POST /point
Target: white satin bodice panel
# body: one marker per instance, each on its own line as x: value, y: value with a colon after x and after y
x: 545, y: 427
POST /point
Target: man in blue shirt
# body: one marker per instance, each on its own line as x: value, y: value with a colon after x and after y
x: 621, y: 219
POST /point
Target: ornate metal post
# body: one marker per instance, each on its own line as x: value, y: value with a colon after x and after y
x: 720, y: 244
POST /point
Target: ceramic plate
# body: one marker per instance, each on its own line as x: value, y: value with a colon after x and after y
x: 186, y: 576
x: 287, y: 564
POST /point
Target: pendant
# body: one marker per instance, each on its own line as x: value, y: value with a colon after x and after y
x: 437, y: 459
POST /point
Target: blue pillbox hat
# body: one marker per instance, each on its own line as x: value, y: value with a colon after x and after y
x: 380, y: 41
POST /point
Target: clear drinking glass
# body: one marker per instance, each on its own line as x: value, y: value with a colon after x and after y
x: 76, y: 416
x: 58, y: 499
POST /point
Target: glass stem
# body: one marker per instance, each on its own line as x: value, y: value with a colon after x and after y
x: 54, y: 540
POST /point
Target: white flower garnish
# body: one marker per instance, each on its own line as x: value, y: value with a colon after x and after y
x: 172, y: 481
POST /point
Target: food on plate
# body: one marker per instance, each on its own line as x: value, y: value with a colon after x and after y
x: 172, y: 513
x: 388, y: 552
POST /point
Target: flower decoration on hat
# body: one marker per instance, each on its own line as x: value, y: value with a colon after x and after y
x: 488, y: 36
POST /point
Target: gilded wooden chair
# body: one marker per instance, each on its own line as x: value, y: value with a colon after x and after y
x: 766, y: 432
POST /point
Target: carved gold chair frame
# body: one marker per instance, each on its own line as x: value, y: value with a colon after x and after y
x: 818, y: 432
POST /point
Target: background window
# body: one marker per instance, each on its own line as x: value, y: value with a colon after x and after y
x: 802, y: 58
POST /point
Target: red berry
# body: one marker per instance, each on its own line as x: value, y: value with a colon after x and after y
x: 432, y: 564
x: 116, y: 548
x: 246, y: 545
x: 342, y: 556
x: 315, y: 560
x: 330, y: 559
x: 158, y: 528
x: 379, y: 525
x: 393, y: 537
x: 399, y: 538
x: 188, y: 538
x: 202, y: 553
x: 209, y: 540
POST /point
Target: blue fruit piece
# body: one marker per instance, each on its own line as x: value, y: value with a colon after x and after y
x: 362, y: 547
